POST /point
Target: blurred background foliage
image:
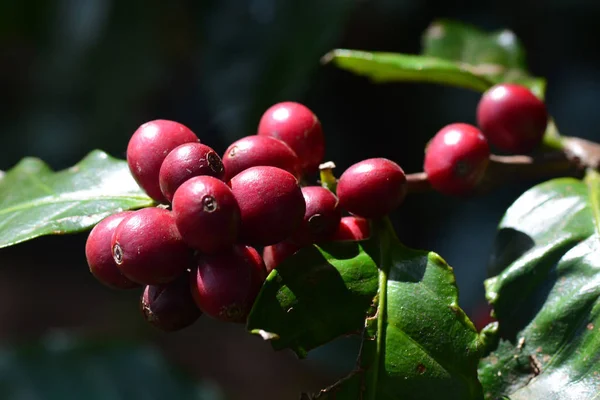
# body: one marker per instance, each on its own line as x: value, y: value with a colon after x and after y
x: 82, y: 74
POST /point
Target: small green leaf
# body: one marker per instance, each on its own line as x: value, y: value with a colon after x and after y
x: 416, y: 339
x: 36, y: 201
x: 61, y: 368
x: 546, y: 295
x: 390, y: 67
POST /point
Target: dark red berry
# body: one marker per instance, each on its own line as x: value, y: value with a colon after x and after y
x: 170, y: 307
x: 225, y: 285
x: 275, y: 254
x: 99, y: 254
x: 258, y: 259
x: 185, y: 162
x: 512, y: 118
x: 321, y: 218
x: 300, y: 128
x: 352, y: 228
x: 207, y: 214
x: 372, y: 188
x: 255, y: 151
x: 149, y: 146
x: 271, y: 204
x: 456, y: 159
x: 148, y: 248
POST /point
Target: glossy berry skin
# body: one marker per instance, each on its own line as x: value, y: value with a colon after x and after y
x: 149, y: 146
x: 372, y: 188
x: 299, y: 127
x: 271, y: 204
x: 186, y: 161
x: 456, y: 159
x: 170, y: 307
x: 275, y: 254
x: 207, y: 214
x: 148, y: 248
x: 225, y: 285
x: 352, y: 228
x: 99, y: 254
x: 321, y: 218
x: 255, y: 151
x: 512, y: 118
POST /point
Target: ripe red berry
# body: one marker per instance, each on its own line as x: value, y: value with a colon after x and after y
x: 207, y: 214
x: 321, y: 218
x: 255, y: 151
x: 275, y: 254
x: 149, y: 146
x: 372, y: 188
x: 170, y: 307
x: 271, y: 204
x: 300, y: 128
x: 456, y: 159
x: 225, y: 285
x: 352, y: 228
x: 185, y: 162
x: 512, y: 118
x: 99, y: 254
x: 148, y: 248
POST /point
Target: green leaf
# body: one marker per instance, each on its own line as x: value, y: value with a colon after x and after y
x: 497, y: 55
x: 457, y: 41
x: 36, y: 201
x: 391, y: 67
x: 60, y: 368
x: 417, y: 342
x: 546, y: 295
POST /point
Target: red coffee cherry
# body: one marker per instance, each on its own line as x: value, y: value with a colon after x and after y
x: 275, y: 254
x: 185, y: 162
x: 148, y: 249
x: 352, y: 228
x: 225, y: 285
x: 456, y: 159
x: 372, y: 188
x: 300, y: 128
x: 255, y: 151
x: 321, y: 218
x: 170, y: 307
x: 149, y: 146
x: 512, y: 118
x: 271, y: 204
x: 207, y: 214
x: 99, y: 254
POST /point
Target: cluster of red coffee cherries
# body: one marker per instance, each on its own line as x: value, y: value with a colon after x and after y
x: 509, y: 117
x: 198, y: 251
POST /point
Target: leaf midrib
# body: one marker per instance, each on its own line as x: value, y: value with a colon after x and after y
x: 52, y: 200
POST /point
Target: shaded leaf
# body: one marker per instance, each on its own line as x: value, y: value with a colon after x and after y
x: 60, y: 368
x: 546, y: 295
x: 497, y: 55
x: 258, y: 53
x: 36, y: 201
x: 417, y: 342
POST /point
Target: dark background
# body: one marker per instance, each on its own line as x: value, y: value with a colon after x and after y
x: 82, y: 74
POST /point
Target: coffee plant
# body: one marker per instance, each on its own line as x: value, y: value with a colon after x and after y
x: 253, y: 237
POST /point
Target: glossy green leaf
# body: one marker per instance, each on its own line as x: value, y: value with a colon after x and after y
x: 546, y: 295
x: 60, y: 368
x: 36, y: 201
x: 417, y: 342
